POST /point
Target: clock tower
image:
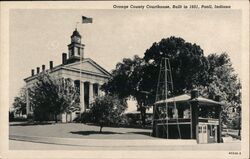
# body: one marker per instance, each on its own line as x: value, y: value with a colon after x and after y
x: 75, y: 48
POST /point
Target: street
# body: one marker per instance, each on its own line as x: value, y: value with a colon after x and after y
x: 22, y: 145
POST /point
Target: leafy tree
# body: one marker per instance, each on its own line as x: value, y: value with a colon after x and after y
x: 51, y: 96
x: 224, y: 82
x: 213, y: 75
x: 19, y: 103
x: 107, y: 110
x: 129, y: 79
x: 124, y: 79
x: 187, y: 60
x: 138, y: 77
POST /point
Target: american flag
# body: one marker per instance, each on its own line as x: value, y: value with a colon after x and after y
x: 87, y: 20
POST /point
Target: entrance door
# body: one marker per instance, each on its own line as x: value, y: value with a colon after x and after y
x: 212, y: 133
x: 202, y: 133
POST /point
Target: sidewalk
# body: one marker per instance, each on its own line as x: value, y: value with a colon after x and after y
x: 101, y: 142
x: 23, y: 145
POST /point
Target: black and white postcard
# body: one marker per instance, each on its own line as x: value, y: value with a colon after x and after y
x: 125, y: 79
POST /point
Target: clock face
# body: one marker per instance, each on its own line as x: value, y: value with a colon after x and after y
x: 76, y: 39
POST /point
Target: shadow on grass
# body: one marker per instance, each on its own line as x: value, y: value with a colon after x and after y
x: 30, y: 123
x: 94, y: 132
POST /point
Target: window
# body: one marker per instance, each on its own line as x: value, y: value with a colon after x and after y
x: 71, y: 52
x: 186, y: 114
x: 204, y: 129
x: 175, y: 113
x: 200, y: 129
x: 211, y: 130
x: 78, y: 51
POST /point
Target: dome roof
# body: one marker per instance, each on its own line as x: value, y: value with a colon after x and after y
x: 75, y: 33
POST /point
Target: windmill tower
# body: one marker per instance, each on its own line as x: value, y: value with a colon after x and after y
x: 163, y: 92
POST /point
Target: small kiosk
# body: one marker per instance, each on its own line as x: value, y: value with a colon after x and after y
x: 188, y: 117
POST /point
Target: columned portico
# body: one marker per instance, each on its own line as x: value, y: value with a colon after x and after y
x: 88, y: 92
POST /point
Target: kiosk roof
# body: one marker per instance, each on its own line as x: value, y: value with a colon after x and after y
x: 187, y: 98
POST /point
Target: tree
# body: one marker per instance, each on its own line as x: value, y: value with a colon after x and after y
x: 52, y: 96
x: 106, y: 110
x: 138, y: 77
x: 124, y: 80
x: 212, y: 75
x: 224, y: 82
x: 19, y: 103
x: 187, y: 60
x: 223, y: 77
x: 131, y: 79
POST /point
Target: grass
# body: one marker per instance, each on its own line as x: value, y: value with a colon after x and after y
x: 78, y: 130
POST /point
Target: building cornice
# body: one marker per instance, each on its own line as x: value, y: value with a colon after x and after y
x: 105, y: 74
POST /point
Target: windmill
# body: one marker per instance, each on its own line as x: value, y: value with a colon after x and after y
x: 163, y: 92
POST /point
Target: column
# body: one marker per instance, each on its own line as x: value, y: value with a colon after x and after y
x: 90, y: 92
x: 194, y: 119
x: 82, y: 103
x: 98, y: 89
x: 27, y: 102
x: 219, y: 110
x: 100, y: 92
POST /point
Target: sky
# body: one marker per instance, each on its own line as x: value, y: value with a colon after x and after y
x: 38, y: 36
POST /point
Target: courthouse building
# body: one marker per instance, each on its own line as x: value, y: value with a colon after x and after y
x: 85, y: 72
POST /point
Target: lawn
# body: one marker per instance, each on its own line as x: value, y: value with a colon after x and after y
x: 78, y: 130
x: 124, y: 139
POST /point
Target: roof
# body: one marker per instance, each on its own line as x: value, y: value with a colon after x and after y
x: 73, y: 67
x: 185, y: 98
x: 89, y: 60
x: 76, y: 33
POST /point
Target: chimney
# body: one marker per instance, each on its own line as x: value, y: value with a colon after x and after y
x: 64, y: 58
x: 50, y: 64
x: 194, y: 93
x: 38, y: 70
x: 43, y: 67
x: 32, y: 72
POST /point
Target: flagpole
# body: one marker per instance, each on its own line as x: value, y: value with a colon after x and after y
x: 85, y: 20
x: 82, y: 104
x: 77, y: 24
